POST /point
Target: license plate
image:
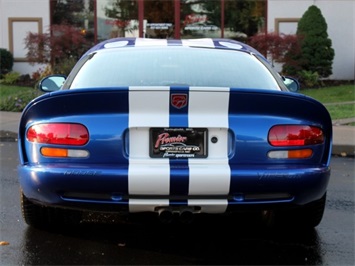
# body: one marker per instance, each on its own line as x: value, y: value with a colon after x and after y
x: 178, y: 143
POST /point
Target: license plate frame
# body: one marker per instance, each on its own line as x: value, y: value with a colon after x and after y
x: 178, y: 143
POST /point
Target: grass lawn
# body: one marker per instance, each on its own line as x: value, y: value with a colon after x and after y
x: 344, y: 93
x: 331, y: 95
x: 15, y: 98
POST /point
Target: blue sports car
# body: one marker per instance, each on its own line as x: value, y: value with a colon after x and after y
x: 178, y: 128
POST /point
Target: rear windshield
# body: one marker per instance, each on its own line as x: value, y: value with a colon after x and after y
x: 174, y: 66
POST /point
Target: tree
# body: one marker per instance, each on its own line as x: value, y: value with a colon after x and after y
x: 122, y: 11
x: 274, y: 46
x: 62, y: 48
x: 244, y: 16
x: 75, y: 13
x: 316, y: 54
x: 66, y: 11
x: 6, y: 61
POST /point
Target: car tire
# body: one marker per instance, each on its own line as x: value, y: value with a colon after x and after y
x: 308, y: 216
x: 43, y: 217
x: 311, y: 215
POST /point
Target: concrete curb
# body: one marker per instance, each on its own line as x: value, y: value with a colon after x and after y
x: 344, y: 140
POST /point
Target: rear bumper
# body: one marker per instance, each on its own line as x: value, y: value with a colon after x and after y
x: 107, y: 189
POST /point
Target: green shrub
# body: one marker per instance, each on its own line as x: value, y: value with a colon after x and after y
x: 308, y: 79
x: 64, y: 66
x: 313, y: 51
x: 317, y: 53
x: 11, y: 78
x: 6, y: 61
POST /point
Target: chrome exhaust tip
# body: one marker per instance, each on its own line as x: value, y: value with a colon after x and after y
x: 165, y: 216
x: 186, y: 216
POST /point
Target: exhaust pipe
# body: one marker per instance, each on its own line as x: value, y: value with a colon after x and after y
x: 186, y: 216
x: 268, y: 218
x: 165, y: 216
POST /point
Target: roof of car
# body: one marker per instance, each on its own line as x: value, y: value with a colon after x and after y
x: 147, y: 42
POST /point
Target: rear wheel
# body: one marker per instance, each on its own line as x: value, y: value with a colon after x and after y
x: 311, y: 215
x: 308, y: 216
x: 42, y: 216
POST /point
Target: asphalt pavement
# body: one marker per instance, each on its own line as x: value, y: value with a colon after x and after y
x: 343, y: 135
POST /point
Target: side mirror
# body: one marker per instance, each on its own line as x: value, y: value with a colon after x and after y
x: 51, y: 83
x: 291, y: 83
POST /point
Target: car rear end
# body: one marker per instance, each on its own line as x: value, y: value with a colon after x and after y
x: 174, y: 148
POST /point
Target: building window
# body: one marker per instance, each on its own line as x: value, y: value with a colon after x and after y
x: 116, y: 18
x: 104, y: 19
x: 286, y: 25
x: 18, y: 30
x: 79, y: 14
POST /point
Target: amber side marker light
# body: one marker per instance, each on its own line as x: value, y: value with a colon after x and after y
x: 60, y: 134
x: 291, y: 136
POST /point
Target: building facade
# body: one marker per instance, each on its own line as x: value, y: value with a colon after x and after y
x: 282, y: 17
x: 103, y: 19
x: 17, y: 18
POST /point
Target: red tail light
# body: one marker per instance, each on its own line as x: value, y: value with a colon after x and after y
x: 58, y: 133
x: 295, y: 135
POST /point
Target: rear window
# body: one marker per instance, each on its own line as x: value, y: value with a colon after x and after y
x: 174, y: 66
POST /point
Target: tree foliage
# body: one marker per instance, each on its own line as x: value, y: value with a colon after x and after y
x: 244, y: 16
x: 76, y: 14
x: 70, y: 12
x: 64, y: 44
x: 159, y: 11
x: 122, y: 11
x: 316, y: 53
x: 6, y: 61
x: 274, y: 46
x: 155, y: 11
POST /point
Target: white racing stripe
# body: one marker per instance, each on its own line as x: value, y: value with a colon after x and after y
x: 208, y: 108
x: 144, y: 112
x: 204, y: 42
x: 146, y: 205
x: 210, y: 206
x: 151, y: 42
x: 146, y: 176
x: 210, y: 176
x: 149, y: 107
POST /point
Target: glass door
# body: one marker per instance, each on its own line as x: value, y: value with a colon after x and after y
x: 159, y: 19
x: 179, y: 18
